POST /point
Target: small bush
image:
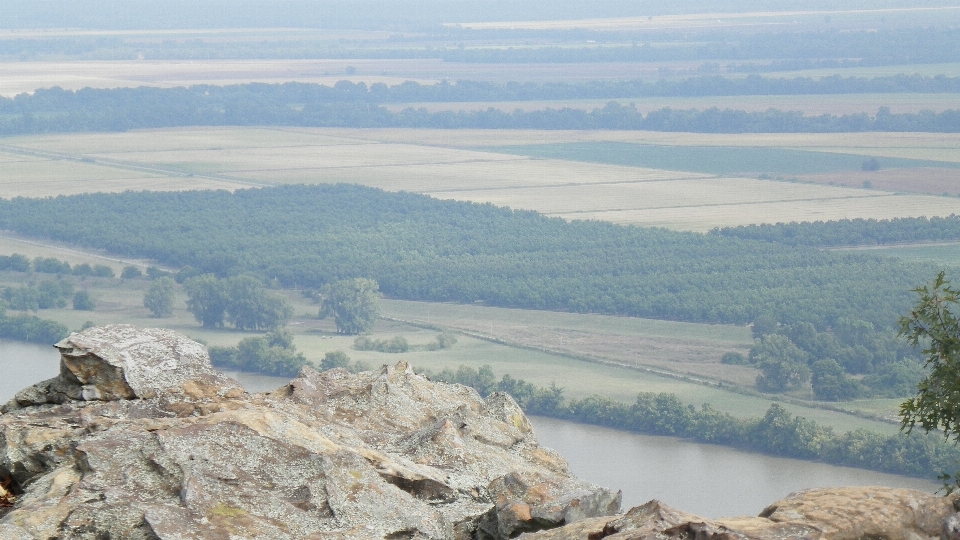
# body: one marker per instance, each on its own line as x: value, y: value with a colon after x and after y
x: 130, y: 272
x: 396, y: 344
x: 334, y: 359
x: 733, y: 358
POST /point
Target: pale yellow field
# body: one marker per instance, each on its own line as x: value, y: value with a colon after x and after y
x: 710, y: 20
x: 451, y: 164
x: 682, y: 195
x: 946, y: 146
x: 37, y: 177
x: 706, y: 217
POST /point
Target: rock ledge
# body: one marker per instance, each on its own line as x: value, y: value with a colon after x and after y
x: 140, y: 438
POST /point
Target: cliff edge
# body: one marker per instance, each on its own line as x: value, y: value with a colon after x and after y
x: 138, y: 437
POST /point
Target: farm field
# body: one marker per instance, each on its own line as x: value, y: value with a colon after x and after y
x: 813, y: 104
x: 933, y: 181
x: 120, y: 302
x: 718, y: 20
x: 947, y: 254
x: 714, y: 159
x: 681, y: 181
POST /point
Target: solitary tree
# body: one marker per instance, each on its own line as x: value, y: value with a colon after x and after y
x: 354, y: 304
x: 159, y: 298
x: 83, y: 302
x: 207, y: 300
x: 251, y: 307
x: 934, y: 326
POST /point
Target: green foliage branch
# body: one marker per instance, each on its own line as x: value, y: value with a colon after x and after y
x: 933, y: 326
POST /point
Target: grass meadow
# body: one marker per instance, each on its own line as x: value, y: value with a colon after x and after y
x: 120, y: 301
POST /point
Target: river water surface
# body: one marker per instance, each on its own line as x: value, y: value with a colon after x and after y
x: 708, y: 480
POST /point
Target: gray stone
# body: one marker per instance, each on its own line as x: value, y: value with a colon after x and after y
x: 139, y: 438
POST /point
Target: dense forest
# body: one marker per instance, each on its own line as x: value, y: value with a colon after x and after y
x: 421, y: 248
x: 850, y: 232
x: 355, y: 105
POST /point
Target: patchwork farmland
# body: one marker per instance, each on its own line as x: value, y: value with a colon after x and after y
x: 680, y: 192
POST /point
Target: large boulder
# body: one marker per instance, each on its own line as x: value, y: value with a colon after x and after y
x: 139, y: 438
x: 847, y: 513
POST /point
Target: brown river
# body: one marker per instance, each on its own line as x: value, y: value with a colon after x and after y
x: 704, y: 479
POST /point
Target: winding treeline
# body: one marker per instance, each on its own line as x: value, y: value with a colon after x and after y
x: 777, y: 433
x: 420, y: 248
x: 354, y: 105
x: 850, y: 232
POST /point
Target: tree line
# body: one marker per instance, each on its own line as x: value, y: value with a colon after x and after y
x: 753, y: 51
x: 850, y: 232
x: 57, y: 110
x: 791, y: 355
x: 420, y: 248
x: 17, y: 262
x: 31, y: 328
x: 777, y: 433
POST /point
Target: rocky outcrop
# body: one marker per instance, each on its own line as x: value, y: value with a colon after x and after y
x: 139, y: 438
x: 849, y: 513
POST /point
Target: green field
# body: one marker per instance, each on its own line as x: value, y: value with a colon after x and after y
x: 712, y: 159
x: 121, y: 302
x: 945, y: 254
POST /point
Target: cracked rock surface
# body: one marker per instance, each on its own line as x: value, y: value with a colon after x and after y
x: 140, y: 438
x: 845, y: 513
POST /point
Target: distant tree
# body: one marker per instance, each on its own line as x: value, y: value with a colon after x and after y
x: 272, y: 354
x: 83, y: 302
x: 896, y: 379
x: 831, y: 383
x: 130, y: 272
x: 159, y: 298
x: 334, y: 359
x: 934, y: 325
x: 733, y: 358
x: 153, y: 272
x: 782, y: 365
x: 14, y: 263
x: 354, y: 304
x: 82, y: 269
x: 251, y: 307
x: 53, y: 294
x: 207, y: 299
x: 870, y: 165
x: 763, y: 325
x: 50, y: 265
x: 445, y: 340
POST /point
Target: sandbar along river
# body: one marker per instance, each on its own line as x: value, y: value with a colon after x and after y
x: 708, y: 480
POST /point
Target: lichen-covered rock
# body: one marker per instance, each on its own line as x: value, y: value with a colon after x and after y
x: 849, y: 513
x: 121, y: 361
x: 139, y: 438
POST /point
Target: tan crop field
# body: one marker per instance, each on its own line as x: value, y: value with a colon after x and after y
x: 680, y: 194
x: 719, y: 20
x: 921, y: 180
x: 452, y: 164
x: 706, y: 217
